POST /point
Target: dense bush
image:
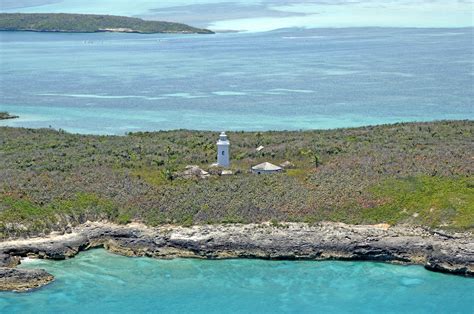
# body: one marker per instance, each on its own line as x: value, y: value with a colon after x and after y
x: 52, y: 179
x: 87, y: 23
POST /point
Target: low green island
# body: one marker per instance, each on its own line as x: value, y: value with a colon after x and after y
x: 418, y: 174
x: 401, y: 193
x: 5, y: 115
x: 90, y: 23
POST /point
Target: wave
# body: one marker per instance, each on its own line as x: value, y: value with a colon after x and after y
x: 101, y: 96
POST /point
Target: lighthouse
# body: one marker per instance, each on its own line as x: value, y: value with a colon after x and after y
x: 223, y: 155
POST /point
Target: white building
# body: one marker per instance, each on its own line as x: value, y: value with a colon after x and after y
x: 223, y: 151
x: 266, y: 167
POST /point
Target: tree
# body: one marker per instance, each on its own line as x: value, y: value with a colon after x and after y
x: 168, y: 174
x: 316, y: 160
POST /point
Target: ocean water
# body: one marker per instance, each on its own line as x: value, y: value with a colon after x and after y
x: 99, y: 282
x: 297, y: 64
x: 283, y: 79
x: 265, y: 15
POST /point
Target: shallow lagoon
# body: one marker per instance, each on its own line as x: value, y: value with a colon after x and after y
x: 284, y: 79
x: 100, y: 282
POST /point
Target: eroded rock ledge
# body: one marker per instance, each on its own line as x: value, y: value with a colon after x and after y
x: 12, y: 279
x: 437, y: 251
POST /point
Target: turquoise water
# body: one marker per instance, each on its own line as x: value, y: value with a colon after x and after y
x: 293, y: 68
x: 265, y: 15
x: 284, y: 79
x: 99, y: 282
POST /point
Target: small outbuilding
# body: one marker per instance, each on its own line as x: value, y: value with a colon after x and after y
x: 287, y: 165
x: 265, y: 168
x: 226, y: 173
x: 193, y: 171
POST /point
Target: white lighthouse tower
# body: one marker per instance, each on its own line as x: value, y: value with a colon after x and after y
x: 223, y: 155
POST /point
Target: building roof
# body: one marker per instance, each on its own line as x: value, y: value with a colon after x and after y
x: 266, y: 166
x: 194, y: 171
x: 287, y: 165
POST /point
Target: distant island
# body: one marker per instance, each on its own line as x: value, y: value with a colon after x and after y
x: 90, y: 23
x: 6, y: 115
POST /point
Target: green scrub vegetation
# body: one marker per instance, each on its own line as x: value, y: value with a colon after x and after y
x: 89, y: 23
x: 413, y: 173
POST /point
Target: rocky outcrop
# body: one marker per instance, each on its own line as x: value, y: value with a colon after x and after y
x: 6, y: 115
x: 12, y: 279
x: 7, y: 260
x: 437, y: 251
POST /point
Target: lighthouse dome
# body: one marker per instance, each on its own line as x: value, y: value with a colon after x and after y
x: 223, y: 137
x: 223, y: 140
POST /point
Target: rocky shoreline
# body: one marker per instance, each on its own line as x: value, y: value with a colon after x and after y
x: 6, y: 116
x: 436, y: 250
